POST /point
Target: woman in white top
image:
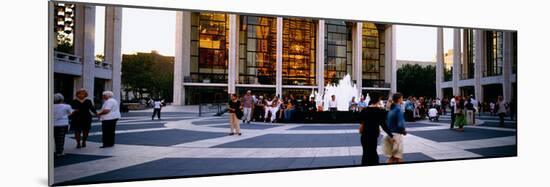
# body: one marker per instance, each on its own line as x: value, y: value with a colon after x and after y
x: 157, y: 106
x: 108, y: 115
x: 61, y: 112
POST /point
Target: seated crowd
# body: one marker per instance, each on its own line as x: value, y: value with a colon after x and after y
x: 272, y: 109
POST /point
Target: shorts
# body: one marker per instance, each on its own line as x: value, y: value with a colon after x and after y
x: 394, y: 149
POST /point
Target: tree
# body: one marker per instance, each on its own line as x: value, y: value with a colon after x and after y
x: 148, y: 73
x: 415, y: 80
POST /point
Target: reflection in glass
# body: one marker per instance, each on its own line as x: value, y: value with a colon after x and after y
x: 257, y: 51
x: 494, y: 53
x: 299, y: 51
x: 373, y: 55
x: 338, y: 47
x: 209, y: 44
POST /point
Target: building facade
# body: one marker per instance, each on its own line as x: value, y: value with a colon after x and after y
x: 218, y: 54
x: 75, y: 64
x: 486, y: 66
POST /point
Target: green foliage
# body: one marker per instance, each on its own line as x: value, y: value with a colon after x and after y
x: 148, y: 73
x: 415, y: 80
x: 64, y: 44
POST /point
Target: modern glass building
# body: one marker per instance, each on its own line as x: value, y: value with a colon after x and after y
x: 484, y: 64
x: 218, y: 54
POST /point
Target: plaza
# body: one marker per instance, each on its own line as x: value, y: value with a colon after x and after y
x: 183, y: 144
x: 217, y: 54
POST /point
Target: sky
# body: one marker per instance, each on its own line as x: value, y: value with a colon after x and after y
x: 144, y: 30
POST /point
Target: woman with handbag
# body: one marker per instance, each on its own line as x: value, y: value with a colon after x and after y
x: 234, y: 110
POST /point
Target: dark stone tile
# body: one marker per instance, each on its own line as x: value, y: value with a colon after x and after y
x: 496, y: 151
x: 210, y: 122
x: 447, y: 135
x: 296, y: 140
x: 249, y: 126
x: 418, y: 124
x: 69, y: 159
x: 161, y: 137
x: 97, y: 128
x: 180, y: 167
x: 326, y: 127
x: 508, y: 125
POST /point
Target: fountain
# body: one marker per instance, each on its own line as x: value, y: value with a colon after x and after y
x: 344, y: 91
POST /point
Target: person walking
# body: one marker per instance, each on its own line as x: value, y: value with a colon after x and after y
x: 109, y: 116
x: 234, y: 108
x: 81, y: 120
x: 501, y: 109
x: 460, y: 113
x: 157, y: 106
x: 452, y: 105
x: 371, y: 119
x: 61, y: 112
x: 396, y: 124
x: 248, y: 105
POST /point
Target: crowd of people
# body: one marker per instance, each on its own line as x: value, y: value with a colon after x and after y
x: 78, y: 114
x: 273, y: 109
x: 372, y: 115
x: 458, y: 107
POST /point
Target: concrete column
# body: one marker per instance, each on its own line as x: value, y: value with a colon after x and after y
x: 507, y: 59
x: 478, y: 63
x: 232, y: 61
x: 182, y: 60
x: 279, y: 59
x: 113, y: 55
x: 440, y: 64
x: 465, y: 53
x: 357, y: 53
x: 84, y: 45
x: 456, y: 61
x: 320, y: 56
x: 390, y: 57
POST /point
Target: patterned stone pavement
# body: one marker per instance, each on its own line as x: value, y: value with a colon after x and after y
x: 182, y: 144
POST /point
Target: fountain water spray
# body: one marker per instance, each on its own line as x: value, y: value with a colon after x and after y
x: 344, y: 91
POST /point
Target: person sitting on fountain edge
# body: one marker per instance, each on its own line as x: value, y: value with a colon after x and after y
x: 333, y: 106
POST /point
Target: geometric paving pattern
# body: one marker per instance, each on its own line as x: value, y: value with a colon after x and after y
x: 182, y: 144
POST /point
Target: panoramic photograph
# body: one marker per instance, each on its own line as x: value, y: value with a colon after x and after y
x: 141, y: 93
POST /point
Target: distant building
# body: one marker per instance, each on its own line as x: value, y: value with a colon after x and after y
x: 401, y: 63
x: 486, y: 67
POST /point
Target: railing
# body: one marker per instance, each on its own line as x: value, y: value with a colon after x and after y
x: 70, y: 58
x: 103, y: 64
x: 216, y: 109
x: 66, y: 57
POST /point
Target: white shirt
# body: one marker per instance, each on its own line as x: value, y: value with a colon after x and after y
x: 432, y: 112
x: 474, y: 103
x: 157, y: 104
x: 61, y: 114
x: 111, y: 105
x: 332, y: 104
